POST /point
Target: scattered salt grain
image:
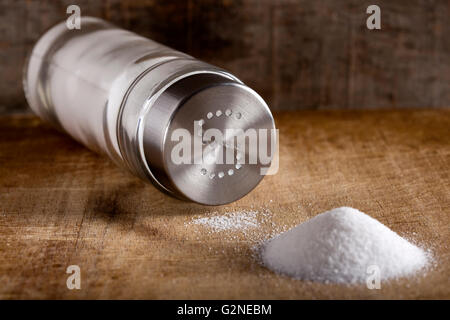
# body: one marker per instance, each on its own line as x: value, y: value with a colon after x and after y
x: 251, y: 225
x: 339, y: 246
x: 238, y: 220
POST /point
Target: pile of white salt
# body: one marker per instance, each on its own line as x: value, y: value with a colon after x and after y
x: 339, y: 246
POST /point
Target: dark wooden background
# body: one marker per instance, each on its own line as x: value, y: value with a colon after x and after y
x: 298, y: 54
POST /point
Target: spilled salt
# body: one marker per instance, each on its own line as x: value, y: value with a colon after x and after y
x: 340, y: 246
x: 242, y: 226
x: 238, y: 220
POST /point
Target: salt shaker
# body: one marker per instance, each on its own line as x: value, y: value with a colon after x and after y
x: 127, y: 96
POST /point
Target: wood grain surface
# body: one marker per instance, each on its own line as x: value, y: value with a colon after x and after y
x: 62, y: 205
x: 297, y: 54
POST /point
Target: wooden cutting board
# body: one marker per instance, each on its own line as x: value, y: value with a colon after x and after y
x: 62, y: 205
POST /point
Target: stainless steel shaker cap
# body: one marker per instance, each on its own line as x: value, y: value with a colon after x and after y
x: 187, y: 118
